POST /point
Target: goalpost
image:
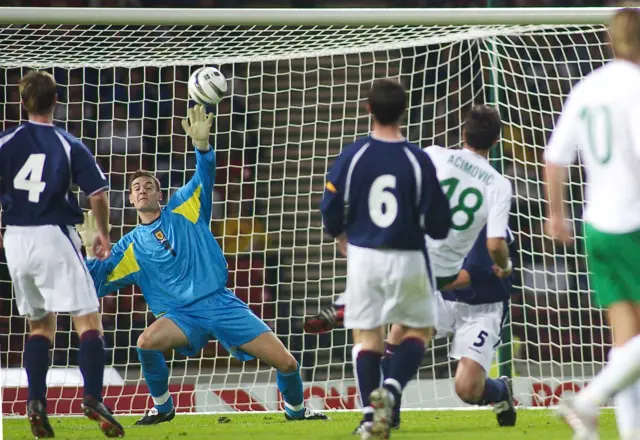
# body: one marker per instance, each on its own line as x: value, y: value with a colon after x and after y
x: 297, y: 79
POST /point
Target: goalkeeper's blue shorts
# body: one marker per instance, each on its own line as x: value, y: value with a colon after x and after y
x: 222, y: 316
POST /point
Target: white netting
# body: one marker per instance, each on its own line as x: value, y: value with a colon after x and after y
x: 296, y: 98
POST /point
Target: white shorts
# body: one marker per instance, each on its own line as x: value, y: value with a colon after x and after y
x: 48, y: 272
x: 475, y: 329
x: 387, y: 287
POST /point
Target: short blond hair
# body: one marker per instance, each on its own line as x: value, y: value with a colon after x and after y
x: 38, y: 91
x: 624, y: 31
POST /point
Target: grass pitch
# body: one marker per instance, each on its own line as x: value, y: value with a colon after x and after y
x: 440, y: 425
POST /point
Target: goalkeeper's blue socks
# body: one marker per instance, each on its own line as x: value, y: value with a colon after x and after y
x: 156, y: 374
x: 403, y: 365
x: 36, y: 362
x: 290, y: 386
x: 91, y: 363
x: 495, y: 390
x: 368, y: 373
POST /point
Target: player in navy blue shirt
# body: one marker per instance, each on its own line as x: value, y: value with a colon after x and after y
x: 38, y: 165
x: 393, y: 198
x: 473, y: 312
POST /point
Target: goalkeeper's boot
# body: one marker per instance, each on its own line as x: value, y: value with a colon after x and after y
x: 584, y: 426
x: 153, y: 417
x: 306, y: 414
x: 37, y: 414
x: 506, y: 410
x: 98, y: 412
x: 382, y: 402
x: 328, y: 319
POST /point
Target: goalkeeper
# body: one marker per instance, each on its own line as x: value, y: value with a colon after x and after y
x: 175, y: 260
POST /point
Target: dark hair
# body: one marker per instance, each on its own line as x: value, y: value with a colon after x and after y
x: 482, y: 127
x: 388, y: 101
x: 144, y: 173
x: 38, y: 92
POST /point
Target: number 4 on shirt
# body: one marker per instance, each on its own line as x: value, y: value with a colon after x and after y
x: 29, y: 178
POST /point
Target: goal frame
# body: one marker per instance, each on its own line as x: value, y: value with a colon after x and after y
x: 306, y: 17
x: 364, y: 17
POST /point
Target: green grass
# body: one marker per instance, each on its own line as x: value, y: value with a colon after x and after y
x: 440, y: 425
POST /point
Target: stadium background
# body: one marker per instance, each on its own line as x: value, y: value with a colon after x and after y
x: 117, y: 111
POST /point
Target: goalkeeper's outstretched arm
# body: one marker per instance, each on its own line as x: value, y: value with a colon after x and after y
x: 118, y: 270
x: 200, y: 188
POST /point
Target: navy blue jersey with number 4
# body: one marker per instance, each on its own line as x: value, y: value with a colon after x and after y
x: 38, y: 165
x: 392, y: 193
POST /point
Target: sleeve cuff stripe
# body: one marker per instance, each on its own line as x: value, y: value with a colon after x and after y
x: 99, y: 190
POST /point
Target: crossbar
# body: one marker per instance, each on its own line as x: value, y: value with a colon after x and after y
x: 305, y: 17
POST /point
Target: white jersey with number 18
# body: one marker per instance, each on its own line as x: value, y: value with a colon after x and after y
x: 478, y: 195
x: 601, y: 120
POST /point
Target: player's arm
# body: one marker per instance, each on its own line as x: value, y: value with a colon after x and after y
x: 115, y: 272
x: 463, y: 280
x: 334, y: 197
x: 200, y: 187
x: 435, y: 212
x: 86, y: 173
x: 560, y: 153
x: 497, y: 227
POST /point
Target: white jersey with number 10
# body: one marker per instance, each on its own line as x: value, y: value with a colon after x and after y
x: 601, y: 120
x: 478, y: 195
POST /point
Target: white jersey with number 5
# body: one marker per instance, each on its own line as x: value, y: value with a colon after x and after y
x: 601, y: 120
x: 478, y: 195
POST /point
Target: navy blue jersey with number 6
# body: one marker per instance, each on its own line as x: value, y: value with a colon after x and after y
x: 392, y: 195
x: 38, y: 165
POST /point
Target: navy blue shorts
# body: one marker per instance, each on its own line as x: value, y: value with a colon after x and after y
x: 222, y: 316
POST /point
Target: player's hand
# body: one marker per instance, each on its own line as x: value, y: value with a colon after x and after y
x: 96, y: 244
x: 559, y: 229
x: 198, y: 126
x: 102, y: 246
x: 342, y: 244
x: 503, y: 273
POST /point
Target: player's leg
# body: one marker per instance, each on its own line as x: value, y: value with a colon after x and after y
x: 626, y: 404
x: 88, y: 325
x: 268, y: 348
x: 613, y: 261
x: 246, y: 336
x: 474, y: 345
x: 364, y: 314
x: 36, y: 363
x: 165, y: 333
x: 19, y: 250
x: 72, y: 290
x: 411, y: 307
x: 327, y: 319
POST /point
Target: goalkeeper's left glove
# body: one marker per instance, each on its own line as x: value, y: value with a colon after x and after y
x: 198, y: 126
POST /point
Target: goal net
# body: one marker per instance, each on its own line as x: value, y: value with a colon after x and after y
x: 296, y: 97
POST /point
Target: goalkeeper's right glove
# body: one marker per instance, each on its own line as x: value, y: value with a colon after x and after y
x: 88, y: 232
x: 198, y: 126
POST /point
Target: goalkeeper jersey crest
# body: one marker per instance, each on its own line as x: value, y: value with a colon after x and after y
x: 175, y: 260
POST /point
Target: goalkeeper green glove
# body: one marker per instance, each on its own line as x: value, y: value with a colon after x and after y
x: 198, y: 126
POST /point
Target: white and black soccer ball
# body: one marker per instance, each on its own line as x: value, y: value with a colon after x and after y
x: 207, y: 86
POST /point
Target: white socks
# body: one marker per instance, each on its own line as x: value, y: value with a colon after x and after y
x: 627, y: 403
x: 621, y: 372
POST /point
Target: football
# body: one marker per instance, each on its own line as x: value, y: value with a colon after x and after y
x: 207, y: 86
